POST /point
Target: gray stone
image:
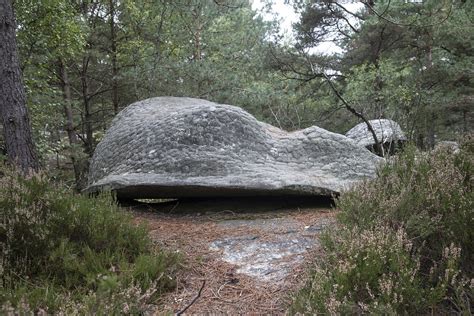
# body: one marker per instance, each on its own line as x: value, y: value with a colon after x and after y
x: 270, y: 255
x: 184, y: 147
x: 265, y: 260
x: 447, y: 145
x: 387, y: 131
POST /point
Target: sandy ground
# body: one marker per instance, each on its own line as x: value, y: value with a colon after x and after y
x: 192, y: 226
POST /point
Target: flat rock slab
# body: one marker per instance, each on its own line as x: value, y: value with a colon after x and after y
x: 270, y: 255
x: 182, y: 147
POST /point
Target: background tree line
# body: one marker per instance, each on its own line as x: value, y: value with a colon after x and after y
x: 410, y: 61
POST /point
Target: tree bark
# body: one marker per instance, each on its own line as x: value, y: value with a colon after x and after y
x: 197, y: 55
x: 16, y: 125
x: 113, y: 51
x: 71, y: 133
x: 89, y: 140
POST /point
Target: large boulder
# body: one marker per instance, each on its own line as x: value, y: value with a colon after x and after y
x: 388, y: 133
x: 184, y: 147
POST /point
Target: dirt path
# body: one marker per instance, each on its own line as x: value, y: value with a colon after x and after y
x: 251, y: 255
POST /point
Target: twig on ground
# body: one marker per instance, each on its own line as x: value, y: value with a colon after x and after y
x: 173, y: 208
x: 193, y: 301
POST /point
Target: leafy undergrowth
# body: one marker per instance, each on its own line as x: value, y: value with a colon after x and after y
x: 70, y: 254
x: 405, y: 243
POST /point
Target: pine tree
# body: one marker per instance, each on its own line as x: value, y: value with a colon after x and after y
x: 14, y: 113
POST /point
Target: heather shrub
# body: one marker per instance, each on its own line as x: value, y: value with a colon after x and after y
x: 404, y: 243
x: 376, y: 271
x: 60, y: 250
x: 430, y: 195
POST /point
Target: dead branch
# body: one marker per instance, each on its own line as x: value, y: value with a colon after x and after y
x: 322, y: 74
x: 193, y: 301
x: 355, y: 112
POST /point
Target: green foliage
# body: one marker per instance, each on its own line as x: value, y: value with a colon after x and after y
x: 404, y: 60
x: 373, y: 271
x: 62, y: 250
x: 430, y: 195
x: 392, y: 91
x: 405, y: 243
x: 48, y: 31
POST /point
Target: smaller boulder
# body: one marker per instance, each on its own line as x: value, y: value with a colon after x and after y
x: 388, y: 132
x: 450, y: 146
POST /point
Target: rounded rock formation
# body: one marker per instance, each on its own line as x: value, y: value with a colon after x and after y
x: 388, y: 133
x: 184, y: 147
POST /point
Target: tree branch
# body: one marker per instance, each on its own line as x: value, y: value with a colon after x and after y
x: 381, y: 16
x: 349, y: 12
x: 355, y: 112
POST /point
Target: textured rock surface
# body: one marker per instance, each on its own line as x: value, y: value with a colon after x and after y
x: 271, y: 254
x: 387, y: 131
x: 184, y: 147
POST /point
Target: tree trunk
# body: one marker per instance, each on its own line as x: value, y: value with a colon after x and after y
x: 431, y: 138
x: 16, y: 125
x: 89, y: 141
x: 197, y: 55
x: 113, y: 51
x: 71, y: 133
x: 464, y: 121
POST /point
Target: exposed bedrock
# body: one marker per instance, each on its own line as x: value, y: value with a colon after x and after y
x: 184, y: 147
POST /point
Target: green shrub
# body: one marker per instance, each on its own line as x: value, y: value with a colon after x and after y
x: 404, y: 244
x: 377, y: 271
x: 60, y: 250
x: 430, y: 195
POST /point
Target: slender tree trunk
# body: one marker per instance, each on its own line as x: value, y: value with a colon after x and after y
x: 113, y: 51
x: 16, y: 125
x: 464, y: 120
x: 71, y: 133
x: 66, y: 88
x: 88, y: 140
x: 88, y: 119
x: 197, y: 55
x: 432, y: 124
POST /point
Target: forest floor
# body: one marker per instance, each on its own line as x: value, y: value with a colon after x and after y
x: 242, y: 255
